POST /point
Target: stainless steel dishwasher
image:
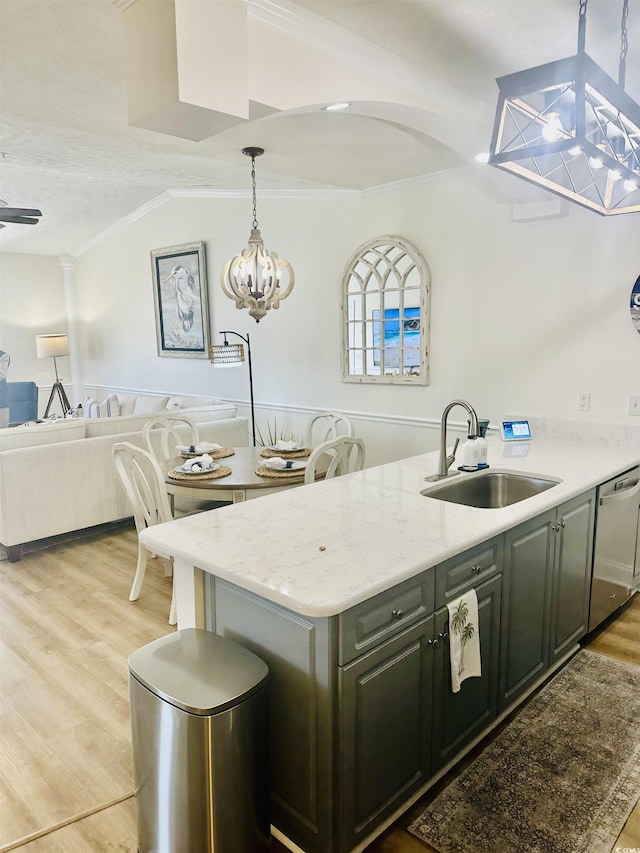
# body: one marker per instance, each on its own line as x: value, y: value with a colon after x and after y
x: 616, y: 557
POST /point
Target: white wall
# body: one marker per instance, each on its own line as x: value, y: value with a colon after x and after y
x: 32, y: 303
x: 524, y: 315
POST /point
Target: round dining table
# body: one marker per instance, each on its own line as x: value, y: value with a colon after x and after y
x: 241, y: 484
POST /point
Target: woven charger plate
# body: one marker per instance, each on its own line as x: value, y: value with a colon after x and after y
x: 214, y: 454
x: 290, y: 474
x: 222, y: 471
x: 287, y: 454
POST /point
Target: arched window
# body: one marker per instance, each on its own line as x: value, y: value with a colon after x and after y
x: 385, y: 314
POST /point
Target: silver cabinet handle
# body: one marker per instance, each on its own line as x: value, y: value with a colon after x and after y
x: 433, y: 643
x: 397, y: 614
x: 555, y: 527
x: 476, y: 569
x: 443, y: 635
x: 563, y: 523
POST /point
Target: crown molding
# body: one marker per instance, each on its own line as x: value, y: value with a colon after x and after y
x: 138, y: 213
x: 204, y: 192
x: 415, y: 183
x: 292, y: 194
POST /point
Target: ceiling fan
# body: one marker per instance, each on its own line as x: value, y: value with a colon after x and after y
x: 18, y: 215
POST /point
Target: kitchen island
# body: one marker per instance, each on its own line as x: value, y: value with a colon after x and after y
x: 341, y: 587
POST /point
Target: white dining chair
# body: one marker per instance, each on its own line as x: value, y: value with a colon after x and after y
x: 145, y: 488
x: 346, y: 454
x: 162, y: 434
x: 325, y: 426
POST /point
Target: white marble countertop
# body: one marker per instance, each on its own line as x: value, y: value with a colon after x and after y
x: 322, y: 548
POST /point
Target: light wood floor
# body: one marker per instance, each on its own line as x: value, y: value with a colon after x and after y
x: 66, y: 631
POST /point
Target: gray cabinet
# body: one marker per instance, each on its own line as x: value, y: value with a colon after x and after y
x: 384, y: 729
x: 548, y: 563
x: 300, y: 654
x: 399, y: 720
x: 528, y: 577
x: 572, y: 573
x: 460, y: 717
x: 361, y: 709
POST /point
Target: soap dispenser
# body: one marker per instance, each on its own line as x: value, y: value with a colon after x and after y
x: 469, y: 454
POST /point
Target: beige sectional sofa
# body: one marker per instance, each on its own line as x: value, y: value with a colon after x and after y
x: 60, y: 476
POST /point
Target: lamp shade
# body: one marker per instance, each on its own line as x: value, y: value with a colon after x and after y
x: 51, y: 346
x: 226, y: 355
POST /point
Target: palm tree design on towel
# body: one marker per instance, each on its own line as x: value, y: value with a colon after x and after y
x: 460, y: 625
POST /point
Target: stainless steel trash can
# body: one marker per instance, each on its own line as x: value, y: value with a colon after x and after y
x: 200, y: 745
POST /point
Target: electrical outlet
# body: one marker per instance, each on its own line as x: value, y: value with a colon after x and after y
x: 634, y: 404
x: 584, y: 401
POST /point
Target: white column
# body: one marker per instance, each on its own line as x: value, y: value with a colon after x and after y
x: 68, y: 265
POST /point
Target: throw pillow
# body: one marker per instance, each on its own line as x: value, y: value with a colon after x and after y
x: 146, y: 403
x: 109, y: 408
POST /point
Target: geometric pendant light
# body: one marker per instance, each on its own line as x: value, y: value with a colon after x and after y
x: 570, y: 128
x: 255, y: 278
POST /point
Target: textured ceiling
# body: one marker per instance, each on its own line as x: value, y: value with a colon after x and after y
x: 69, y: 150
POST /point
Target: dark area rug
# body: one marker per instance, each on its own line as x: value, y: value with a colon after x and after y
x: 563, y: 777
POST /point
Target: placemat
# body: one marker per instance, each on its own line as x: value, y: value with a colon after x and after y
x: 214, y: 454
x: 222, y: 471
x: 286, y: 454
x: 290, y: 474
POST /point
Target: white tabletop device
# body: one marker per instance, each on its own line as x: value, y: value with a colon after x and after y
x: 515, y: 430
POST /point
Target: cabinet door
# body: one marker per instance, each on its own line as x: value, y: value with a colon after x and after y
x: 524, y: 652
x: 460, y: 717
x: 572, y: 574
x: 384, y: 730
x: 302, y: 687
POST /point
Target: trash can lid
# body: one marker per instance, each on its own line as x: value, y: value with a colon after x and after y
x: 198, y: 671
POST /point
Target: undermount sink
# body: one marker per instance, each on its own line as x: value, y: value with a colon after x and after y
x: 491, y: 489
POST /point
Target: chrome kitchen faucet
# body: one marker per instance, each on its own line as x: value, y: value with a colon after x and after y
x: 447, y: 461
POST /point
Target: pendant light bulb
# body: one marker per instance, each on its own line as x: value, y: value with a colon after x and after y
x: 597, y: 162
x: 553, y: 129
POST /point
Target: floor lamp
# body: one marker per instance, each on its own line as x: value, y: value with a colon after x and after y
x: 232, y: 355
x: 52, y: 346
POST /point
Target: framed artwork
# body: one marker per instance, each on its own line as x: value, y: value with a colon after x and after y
x: 180, y: 298
x: 635, y: 304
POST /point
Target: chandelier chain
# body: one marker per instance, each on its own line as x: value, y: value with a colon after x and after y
x: 624, y: 43
x: 253, y: 188
x: 582, y: 26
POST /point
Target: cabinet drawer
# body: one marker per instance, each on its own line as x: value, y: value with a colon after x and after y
x: 370, y: 623
x: 474, y: 566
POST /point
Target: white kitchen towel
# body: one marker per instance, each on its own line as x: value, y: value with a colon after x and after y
x: 464, y: 639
